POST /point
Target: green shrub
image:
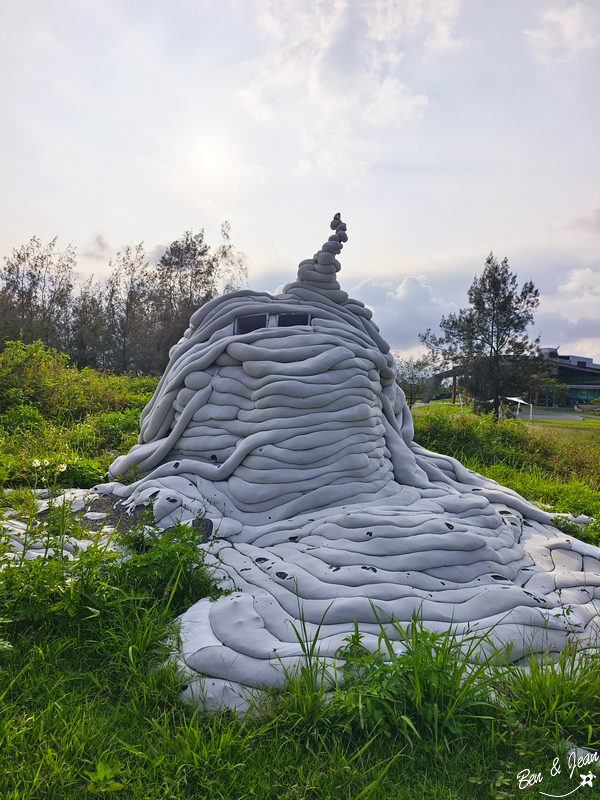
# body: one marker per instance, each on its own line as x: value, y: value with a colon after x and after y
x: 34, y: 375
x: 477, y: 437
x: 56, y: 586
x: 559, y: 698
x: 115, y: 428
x: 21, y: 418
x: 30, y: 374
x: 164, y: 564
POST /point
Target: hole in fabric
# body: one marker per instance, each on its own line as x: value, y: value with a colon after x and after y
x: 213, y: 458
x: 250, y: 323
x: 289, y: 320
x: 282, y: 575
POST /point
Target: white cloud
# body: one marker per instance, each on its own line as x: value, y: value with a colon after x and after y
x: 332, y: 71
x: 586, y: 347
x: 403, y: 311
x: 587, y: 221
x: 577, y: 298
x: 394, y: 104
x: 565, y: 33
x: 432, y: 19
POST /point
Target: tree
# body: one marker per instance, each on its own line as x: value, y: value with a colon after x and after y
x: 232, y: 269
x: 127, y: 322
x: 488, y: 341
x: 187, y: 276
x: 36, y: 293
x: 126, y: 311
x: 412, y: 374
x: 182, y: 281
x: 90, y: 335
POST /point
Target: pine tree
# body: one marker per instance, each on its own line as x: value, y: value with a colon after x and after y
x: 488, y: 341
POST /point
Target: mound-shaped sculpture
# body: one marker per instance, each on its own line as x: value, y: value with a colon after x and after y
x: 279, y: 418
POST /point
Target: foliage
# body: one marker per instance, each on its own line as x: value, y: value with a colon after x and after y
x: 36, y: 293
x: 419, y: 685
x: 488, y: 341
x: 33, y: 376
x: 412, y: 374
x: 125, y: 301
x: 551, y: 388
x: 165, y: 564
x: 556, y: 697
x: 468, y: 437
x: 126, y: 322
x: 72, y: 581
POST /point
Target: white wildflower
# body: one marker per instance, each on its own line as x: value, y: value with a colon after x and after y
x: 35, y: 463
x: 46, y: 462
x: 61, y: 467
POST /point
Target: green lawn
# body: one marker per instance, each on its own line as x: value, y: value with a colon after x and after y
x: 89, y: 709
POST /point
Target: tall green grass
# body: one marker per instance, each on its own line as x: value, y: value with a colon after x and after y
x: 553, y: 464
x: 60, y: 426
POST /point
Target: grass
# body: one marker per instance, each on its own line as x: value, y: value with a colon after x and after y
x: 89, y: 709
x: 556, y: 464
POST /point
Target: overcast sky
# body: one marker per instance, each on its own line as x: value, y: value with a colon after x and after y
x: 440, y: 129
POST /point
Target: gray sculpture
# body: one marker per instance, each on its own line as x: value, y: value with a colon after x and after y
x: 279, y: 418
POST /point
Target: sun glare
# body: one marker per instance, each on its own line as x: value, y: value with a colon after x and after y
x: 210, y: 159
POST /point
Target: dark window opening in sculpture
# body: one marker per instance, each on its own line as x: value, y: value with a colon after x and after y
x: 250, y: 323
x: 288, y: 320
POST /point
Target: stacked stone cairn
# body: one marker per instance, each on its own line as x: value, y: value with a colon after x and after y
x: 279, y: 419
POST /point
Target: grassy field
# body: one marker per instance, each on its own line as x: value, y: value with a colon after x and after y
x: 88, y: 707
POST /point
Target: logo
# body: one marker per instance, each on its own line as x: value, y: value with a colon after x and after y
x: 526, y: 779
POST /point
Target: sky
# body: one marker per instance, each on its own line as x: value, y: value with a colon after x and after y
x: 441, y: 130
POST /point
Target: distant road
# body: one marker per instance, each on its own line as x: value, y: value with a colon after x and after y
x: 543, y: 414
x: 556, y: 414
x: 564, y: 416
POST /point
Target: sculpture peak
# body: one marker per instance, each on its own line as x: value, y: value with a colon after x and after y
x: 319, y: 272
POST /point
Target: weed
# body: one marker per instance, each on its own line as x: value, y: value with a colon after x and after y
x: 559, y: 698
x: 435, y: 686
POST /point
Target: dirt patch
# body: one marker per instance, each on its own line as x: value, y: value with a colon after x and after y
x: 118, y: 517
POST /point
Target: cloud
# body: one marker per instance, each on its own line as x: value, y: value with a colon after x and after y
x: 566, y: 32
x: 334, y: 72
x: 403, y: 311
x: 98, y: 247
x: 578, y: 297
x: 394, y: 104
x: 588, y: 221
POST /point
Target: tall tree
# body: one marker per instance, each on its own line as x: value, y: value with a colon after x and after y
x: 187, y: 276
x: 488, y: 341
x: 126, y: 311
x: 231, y: 268
x: 36, y: 293
x: 412, y: 374
x: 183, y: 280
x: 90, y: 334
